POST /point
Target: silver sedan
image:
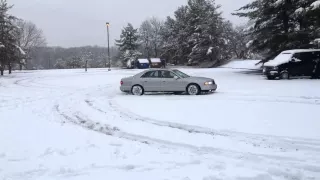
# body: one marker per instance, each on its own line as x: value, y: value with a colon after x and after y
x: 166, y: 80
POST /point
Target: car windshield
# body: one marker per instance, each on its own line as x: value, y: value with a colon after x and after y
x: 181, y: 74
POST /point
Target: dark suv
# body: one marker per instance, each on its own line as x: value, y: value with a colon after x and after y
x: 300, y: 62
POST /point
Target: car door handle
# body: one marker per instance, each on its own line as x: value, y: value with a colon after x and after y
x: 145, y: 81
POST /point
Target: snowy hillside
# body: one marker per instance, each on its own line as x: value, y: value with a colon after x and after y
x: 67, y: 124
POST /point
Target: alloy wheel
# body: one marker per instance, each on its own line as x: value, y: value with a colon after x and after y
x: 193, y: 90
x: 137, y: 90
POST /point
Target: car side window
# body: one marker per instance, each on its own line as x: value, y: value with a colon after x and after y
x: 167, y: 74
x: 317, y: 56
x: 147, y: 74
x: 151, y: 74
x: 307, y: 56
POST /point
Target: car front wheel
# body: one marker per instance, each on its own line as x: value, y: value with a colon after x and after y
x: 284, y: 75
x: 271, y: 77
x: 137, y: 90
x: 193, y: 89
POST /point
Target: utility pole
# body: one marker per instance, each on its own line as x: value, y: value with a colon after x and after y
x: 108, y: 24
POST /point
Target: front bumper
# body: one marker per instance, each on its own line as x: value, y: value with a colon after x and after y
x: 211, y: 87
x: 271, y: 73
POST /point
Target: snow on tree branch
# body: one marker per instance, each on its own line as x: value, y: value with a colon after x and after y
x: 315, y: 5
x: 20, y: 50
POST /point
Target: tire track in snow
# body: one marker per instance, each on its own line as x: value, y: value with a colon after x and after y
x: 273, y: 161
x: 80, y: 120
x: 183, y: 127
x: 234, y: 96
x: 249, y: 140
x: 256, y: 140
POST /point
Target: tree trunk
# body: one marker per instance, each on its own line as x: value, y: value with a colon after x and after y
x: 20, y: 67
x: 1, y: 71
x: 10, y: 68
x: 156, y: 51
x: 86, y: 66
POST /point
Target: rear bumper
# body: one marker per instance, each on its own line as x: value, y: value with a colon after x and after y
x: 124, y: 89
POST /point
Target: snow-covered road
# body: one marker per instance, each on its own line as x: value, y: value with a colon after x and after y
x: 68, y: 124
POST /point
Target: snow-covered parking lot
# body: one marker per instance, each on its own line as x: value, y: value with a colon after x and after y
x: 68, y: 124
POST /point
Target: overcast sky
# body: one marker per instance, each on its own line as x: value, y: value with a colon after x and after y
x: 71, y: 23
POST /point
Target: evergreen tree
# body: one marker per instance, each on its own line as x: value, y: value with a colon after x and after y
x: 206, y: 27
x: 9, y: 50
x: 282, y: 24
x: 168, y: 36
x: 197, y: 33
x: 128, y: 44
x: 175, y: 37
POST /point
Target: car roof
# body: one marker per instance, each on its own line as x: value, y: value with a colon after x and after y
x: 158, y: 69
x: 300, y: 50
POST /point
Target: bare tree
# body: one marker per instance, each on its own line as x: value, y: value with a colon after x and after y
x: 30, y: 36
x: 156, y: 25
x: 150, y: 36
x: 86, y: 55
x: 145, y: 35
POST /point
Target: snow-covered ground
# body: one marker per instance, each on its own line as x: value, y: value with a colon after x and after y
x: 243, y: 64
x: 68, y: 124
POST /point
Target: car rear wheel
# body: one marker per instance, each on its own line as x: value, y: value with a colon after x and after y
x: 193, y: 89
x: 284, y: 75
x: 137, y: 90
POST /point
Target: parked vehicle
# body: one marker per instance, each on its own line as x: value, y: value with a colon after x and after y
x: 160, y: 80
x: 299, y: 62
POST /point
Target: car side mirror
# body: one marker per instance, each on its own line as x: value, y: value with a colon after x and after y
x: 176, y: 77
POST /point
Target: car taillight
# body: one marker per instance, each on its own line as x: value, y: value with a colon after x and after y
x: 121, y: 82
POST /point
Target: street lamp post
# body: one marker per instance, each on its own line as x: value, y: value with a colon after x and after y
x: 108, y: 24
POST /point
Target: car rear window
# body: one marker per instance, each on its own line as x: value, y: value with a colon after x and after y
x: 307, y: 56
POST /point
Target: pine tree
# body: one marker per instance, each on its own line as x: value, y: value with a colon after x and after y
x: 281, y: 24
x: 9, y: 50
x: 197, y: 33
x: 175, y: 37
x: 207, y: 26
x: 128, y: 44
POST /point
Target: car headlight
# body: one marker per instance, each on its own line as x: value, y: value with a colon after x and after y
x: 208, y: 83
